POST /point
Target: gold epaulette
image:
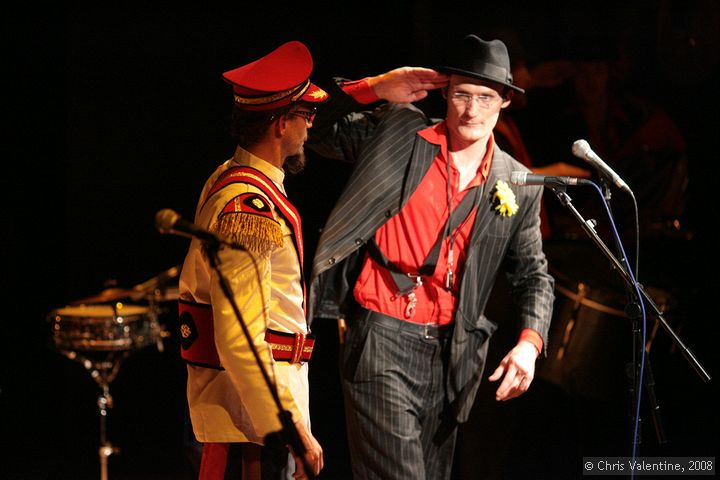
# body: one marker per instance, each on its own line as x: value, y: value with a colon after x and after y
x: 258, y: 234
x: 248, y: 220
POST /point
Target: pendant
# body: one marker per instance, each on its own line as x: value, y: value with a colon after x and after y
x: 449, y: 277
x: 412, y: 303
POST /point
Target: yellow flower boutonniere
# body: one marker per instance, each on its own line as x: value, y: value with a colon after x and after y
x: 504, y: 199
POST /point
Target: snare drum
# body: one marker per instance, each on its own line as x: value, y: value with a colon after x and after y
x: 104, y: 327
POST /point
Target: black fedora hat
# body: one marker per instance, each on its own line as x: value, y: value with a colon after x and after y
x: 477, y: 58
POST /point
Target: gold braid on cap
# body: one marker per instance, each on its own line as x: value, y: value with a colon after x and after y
x: 302, y: 91
x: 275, y: 96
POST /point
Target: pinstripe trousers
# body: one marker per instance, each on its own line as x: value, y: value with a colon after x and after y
x: 393, y: 377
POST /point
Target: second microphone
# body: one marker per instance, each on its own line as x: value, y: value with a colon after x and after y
x: 527, y: 178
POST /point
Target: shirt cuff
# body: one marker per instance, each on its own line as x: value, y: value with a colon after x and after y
x: 533, y: 337
x: 360, y: 91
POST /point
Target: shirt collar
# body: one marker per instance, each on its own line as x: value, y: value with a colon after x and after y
x: 437, y: 135
x: 244, y: 158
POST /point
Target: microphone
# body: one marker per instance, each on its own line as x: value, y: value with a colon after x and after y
x: 526, y: 178
x: 169, y: 221
x: 581, y: 149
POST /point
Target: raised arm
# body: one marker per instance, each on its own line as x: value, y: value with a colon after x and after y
x: 407, y: 84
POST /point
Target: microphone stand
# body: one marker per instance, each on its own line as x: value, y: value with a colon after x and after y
x: 289, y: 432
x: 633, y: 309
x: 634, y: 313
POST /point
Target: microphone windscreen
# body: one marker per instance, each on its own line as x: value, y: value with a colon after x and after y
x: 165, y: 220
x: 580, y: 148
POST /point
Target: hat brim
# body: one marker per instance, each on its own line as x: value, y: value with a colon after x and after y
x: 468, y: 73
x: 314, y: 94
x: 308, y: 92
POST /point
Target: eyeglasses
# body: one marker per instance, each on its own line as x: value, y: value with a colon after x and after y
x: 485, y: 101
x: 308, y: 115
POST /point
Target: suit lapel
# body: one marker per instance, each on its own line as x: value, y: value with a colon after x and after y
x: 487, y: 217
x: 423, y: 155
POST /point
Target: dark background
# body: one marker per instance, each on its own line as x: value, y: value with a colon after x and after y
x: 112, y: 113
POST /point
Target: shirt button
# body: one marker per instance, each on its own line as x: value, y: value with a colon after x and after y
x: 331, y: 261
x: 358, y: 241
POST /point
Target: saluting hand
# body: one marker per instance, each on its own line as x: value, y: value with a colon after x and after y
x: 407, y: 84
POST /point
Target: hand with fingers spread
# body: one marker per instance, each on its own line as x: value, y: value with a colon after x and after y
x: 518, y: 367
x: 407, y: 84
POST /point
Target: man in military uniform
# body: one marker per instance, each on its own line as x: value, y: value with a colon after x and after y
x: 244, y: 201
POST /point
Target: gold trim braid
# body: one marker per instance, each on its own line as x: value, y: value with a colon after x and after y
x: 275, y: 96
x: 288, y: 348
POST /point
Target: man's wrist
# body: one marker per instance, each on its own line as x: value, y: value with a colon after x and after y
x: 361, y: 90
x: 531, y: 336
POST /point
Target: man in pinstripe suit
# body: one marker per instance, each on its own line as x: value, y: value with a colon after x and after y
x: 410, y: 253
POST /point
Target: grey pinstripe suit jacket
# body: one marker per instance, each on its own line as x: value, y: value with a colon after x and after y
x: 390, y: 159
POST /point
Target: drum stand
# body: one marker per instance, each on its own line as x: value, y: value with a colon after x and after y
x: 634, y: 311
x: 103, y: 371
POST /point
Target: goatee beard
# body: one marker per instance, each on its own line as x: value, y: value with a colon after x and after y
x: 294, y: 164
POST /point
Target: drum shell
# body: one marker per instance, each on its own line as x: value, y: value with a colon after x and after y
x: 589, y: 343
x: 103, y: 327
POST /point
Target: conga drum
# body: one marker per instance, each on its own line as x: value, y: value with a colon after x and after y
x: 590, y: 342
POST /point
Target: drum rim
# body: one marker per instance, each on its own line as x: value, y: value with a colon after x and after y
x: 583, y: 300
x: 87, y: 312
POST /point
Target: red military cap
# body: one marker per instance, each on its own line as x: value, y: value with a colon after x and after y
x: 279, y: 78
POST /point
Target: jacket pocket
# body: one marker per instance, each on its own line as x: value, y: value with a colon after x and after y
x: 481, y: 323
x: 355, y: 340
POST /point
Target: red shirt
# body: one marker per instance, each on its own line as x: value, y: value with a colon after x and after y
x: 409, y: 235
x: 406, y: 240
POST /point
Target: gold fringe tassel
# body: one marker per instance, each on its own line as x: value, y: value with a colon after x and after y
x: 258, y: 234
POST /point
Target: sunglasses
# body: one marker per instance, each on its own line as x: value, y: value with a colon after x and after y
x: 308, y: 115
